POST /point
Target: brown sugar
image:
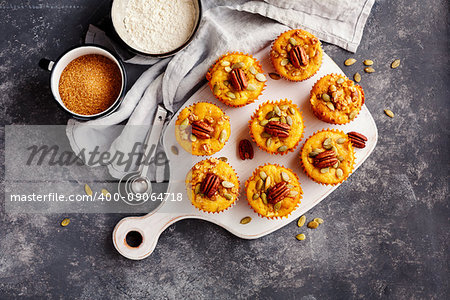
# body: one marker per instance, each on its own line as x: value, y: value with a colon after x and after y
x: 90, y: 84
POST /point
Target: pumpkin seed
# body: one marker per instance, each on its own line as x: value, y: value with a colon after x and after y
x: 283, y: 120
x: 300, y: 237
x: 357, y: 77
x: 263, y: 175
x: 265, y: 135
x: 336, y: 165
x: 293, y: 41
x: 264, y: 198
x: 291, y: 110
x: 255, y: 196
x: 318, y: 220
x: 301, y: 221
x: 231, y: 95
x: 318, y: 150
x: 326, y: 97
x: 238, y: 65
x: 228, y: 196
x: 251, y: 87
x: 223, y: 158
x: 193, y: 138
x: 274, y: 76
x: 252, y: 70
x: 277, y: 110
x: 105, y: 192
x: 228, y: 69
x: 246, y: 220
x: 340, y: 80
x: 282, y: 148
x: 334, y: 149
x: 349, y: 61
x: 267, y: 183
x: 293, y: 193
x: 174, y: 149
x: 184, y: 124
x: 368, y: 62
x: 223, y: 136
x: 339, y: 172
x: 330, y: 106
x: 395, y: 64
x: 352, y: 114
x: 270, y: 114
x: 260, y: 77
x: 369, y: 70
x: 290, y: 186
x: 389, y: 113
x: 274, y: 119
x: 328, y: 147
x: 225, y: 63
x: 285, y: 176
x: 88, y: 190
x: 284, y: 107
x: 340, y: 140
x: 313, y: 154
x: 268, y: 142
x: 259, y: 184
x: 284, y: 62
x: 313, y: 225
x: 289, y: 120
x: 327, y: 141
x: 324, y: 170
x: 197, y: 188
x: 263, y: 122
x: 333, y: 88
x: 216, y: 88
x: 227, y: 184
x: 277, y: 206
x: 340, y: 157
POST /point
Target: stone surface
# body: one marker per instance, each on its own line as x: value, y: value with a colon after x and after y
x: 386, y: 229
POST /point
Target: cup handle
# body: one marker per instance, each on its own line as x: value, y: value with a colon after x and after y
x: 46, y: 64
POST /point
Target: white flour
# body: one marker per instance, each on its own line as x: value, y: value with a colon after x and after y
x: 159, y: 26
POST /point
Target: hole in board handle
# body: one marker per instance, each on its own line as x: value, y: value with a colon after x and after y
x: 133, y: 239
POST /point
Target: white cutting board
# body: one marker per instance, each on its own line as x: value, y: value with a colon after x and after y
x: 152, y: 225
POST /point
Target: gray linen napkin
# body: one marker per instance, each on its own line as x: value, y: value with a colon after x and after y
x: 226, y: 26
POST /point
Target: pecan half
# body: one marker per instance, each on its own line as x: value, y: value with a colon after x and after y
x: 277, y: 128
x: 246, y: 150
x: 210, y: 185
x: 298, y: 56
x: 238, y: 79
x: 357, y: 139
x: 278, y: 192
x: 202, y: 130
x: 325, y: 159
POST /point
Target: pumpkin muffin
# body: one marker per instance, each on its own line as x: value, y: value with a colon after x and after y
x: 236, y: 79
x: 336, y: 99
x: 273, y: 191
x: 202, y: 128
x: 212, y: 185
x: 328, y: 157
x: 277, y: 127
x: 296, y: 55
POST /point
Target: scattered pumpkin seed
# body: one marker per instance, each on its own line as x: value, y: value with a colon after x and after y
x: 223, y: 136
x: 225, y: 63
x: 265, y: 135
x: 349, y: 61
x: 336, y: 165
x: 193, y: 138
x: 357, y: 77
x: 300, y: 237
x: 65, y: 222
x: 228, y: 196
x: 238, y: 65
x: 395, y: 64
x: 223, y: 158
x: 340, y: 140
x: 263, y: 175
x: 263, y: 122
x: 268, y: 142
x: 352, y: 114
x: 231, y: 95
x: 260, y: 77
x: 277, y: 110
x: 328, y: 147
x: 283, y: 119
x: 293, y: 193
x: 293, y: 41
x: 330, y: 106
x: 264, y: 198
x: 105, y: 192
x: 274, y: 76
x: 324, y: 170
x: 267, y: 183
x: 184, y: 124
x: 318, y: 150
x: 216, y: 88
x: 282, y: 148
x: 227, y: 184
x: 340, y: 80
x: 313, y: 225
x: 327, y: 141
x: 88, y: 190
x: 340, y: 157
x: 197, y: 188
x: 228, y: 69
x: 277, y: 206
x: 252, y: 70
x: 270, y: 114
x: 301, y: 221
x: 339, y: 172
x: 291, y: 110
x: 274, y: 119
x: 285, y: 176
x: 255, y: 196
x: 259, y: 184
x: 318, y: 220
x: 313, y: 154
x: 284, y: 107
x: 389, y: 113
x: 368, y: 62
x: 174, y: 149
x: 284, y: 62
x: 290, y: 186
x: 333, y: 88
x: 289, y: 120
x: 326, y: 97
x: 246, y: 220
x: 251, y: 87
x: 369, y: 70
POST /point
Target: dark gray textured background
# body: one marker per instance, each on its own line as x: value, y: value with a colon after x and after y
x: 386, y: 228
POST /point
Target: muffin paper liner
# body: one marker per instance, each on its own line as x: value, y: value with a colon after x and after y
x: 176, y: 126
x: 343, y: 177
x: 276, y: 67
x: 320, y: 117
x: 255, y: 173
x: 234, y: 201
x: 279, y: 102
x: 208, y: 77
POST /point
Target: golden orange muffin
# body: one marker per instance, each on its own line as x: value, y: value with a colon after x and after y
x: 277, y: 127
x: 336, y: 99
x: 236, y: 79
x: 296, y: 55
x: 328, y: 157
x: 273, y: 191
x: 202, y: 128
x: 212, y: 185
